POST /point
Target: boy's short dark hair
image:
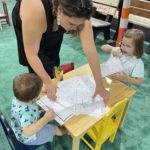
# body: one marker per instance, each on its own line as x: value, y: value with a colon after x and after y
x: 27, y: 86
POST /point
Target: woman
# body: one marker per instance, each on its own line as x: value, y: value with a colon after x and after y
x: 39, y: 28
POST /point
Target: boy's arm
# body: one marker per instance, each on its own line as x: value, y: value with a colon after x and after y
x: 36, y: 126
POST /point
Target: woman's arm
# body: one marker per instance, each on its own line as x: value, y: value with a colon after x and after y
x: 33, y: 26
x: 88, y: 45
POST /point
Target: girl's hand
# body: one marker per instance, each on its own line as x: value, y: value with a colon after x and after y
x: 102, y: 92
x: 114, y: 51
x: 51, y: 89
x: 122, y: 76
x: 49, y: 115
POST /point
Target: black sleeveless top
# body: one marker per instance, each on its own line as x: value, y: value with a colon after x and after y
x: 50, y: 42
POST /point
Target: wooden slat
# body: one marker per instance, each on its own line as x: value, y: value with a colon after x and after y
x: 99, y: 23
x: 113, y: 3
x: 140, y: 12
x: 105, y: 9
x: 141, y: 4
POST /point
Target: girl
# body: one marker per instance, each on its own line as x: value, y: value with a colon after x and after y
x: 129, y: 53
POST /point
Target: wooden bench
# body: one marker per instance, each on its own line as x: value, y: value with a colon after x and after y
x: 141, y: 8
x: 101, y: 21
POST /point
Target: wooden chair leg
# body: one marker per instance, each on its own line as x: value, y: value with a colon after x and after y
x: 8, y: 21
x: 0, y: 26
x: 98, y: 147
x: 111, y: 139
x: 125, y: 112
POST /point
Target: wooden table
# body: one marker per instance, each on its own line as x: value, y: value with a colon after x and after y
x: 78, y: 125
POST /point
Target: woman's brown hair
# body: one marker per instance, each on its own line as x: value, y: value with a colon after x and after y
x: 74, y: 8
x: 138, y: 40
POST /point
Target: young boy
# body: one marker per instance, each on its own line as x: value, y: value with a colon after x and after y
x: 27, y: 125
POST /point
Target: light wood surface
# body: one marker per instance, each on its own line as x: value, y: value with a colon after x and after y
x: 78, y: 125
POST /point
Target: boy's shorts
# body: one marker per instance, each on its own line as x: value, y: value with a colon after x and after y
x: 45, y: 135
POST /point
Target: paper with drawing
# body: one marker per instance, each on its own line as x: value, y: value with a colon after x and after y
x: 111, y: 66
x: 74, y: 97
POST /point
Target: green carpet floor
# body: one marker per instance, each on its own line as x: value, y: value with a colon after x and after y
x: 135, y: 134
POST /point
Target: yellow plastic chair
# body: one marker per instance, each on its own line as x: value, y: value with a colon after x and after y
x: 107, y: 127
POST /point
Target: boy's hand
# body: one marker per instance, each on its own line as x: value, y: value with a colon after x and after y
x: 49, y: 115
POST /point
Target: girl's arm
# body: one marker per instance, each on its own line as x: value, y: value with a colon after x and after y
x: 88, y: 45
x: 107, y: 48
x: 125, y: 77
x: 135, y: 81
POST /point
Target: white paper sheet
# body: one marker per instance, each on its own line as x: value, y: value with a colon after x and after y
x: 111, y: 66
x: 89, y: 108
x: 62, y: 112
x: 76, y: 90
x: 74, y: 97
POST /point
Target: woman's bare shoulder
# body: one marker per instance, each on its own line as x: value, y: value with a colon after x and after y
x: 33, y: 11
x: 32, y: 8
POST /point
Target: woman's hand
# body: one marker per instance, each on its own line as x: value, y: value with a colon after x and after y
x: 51, y: 89
x: 102, y: 92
